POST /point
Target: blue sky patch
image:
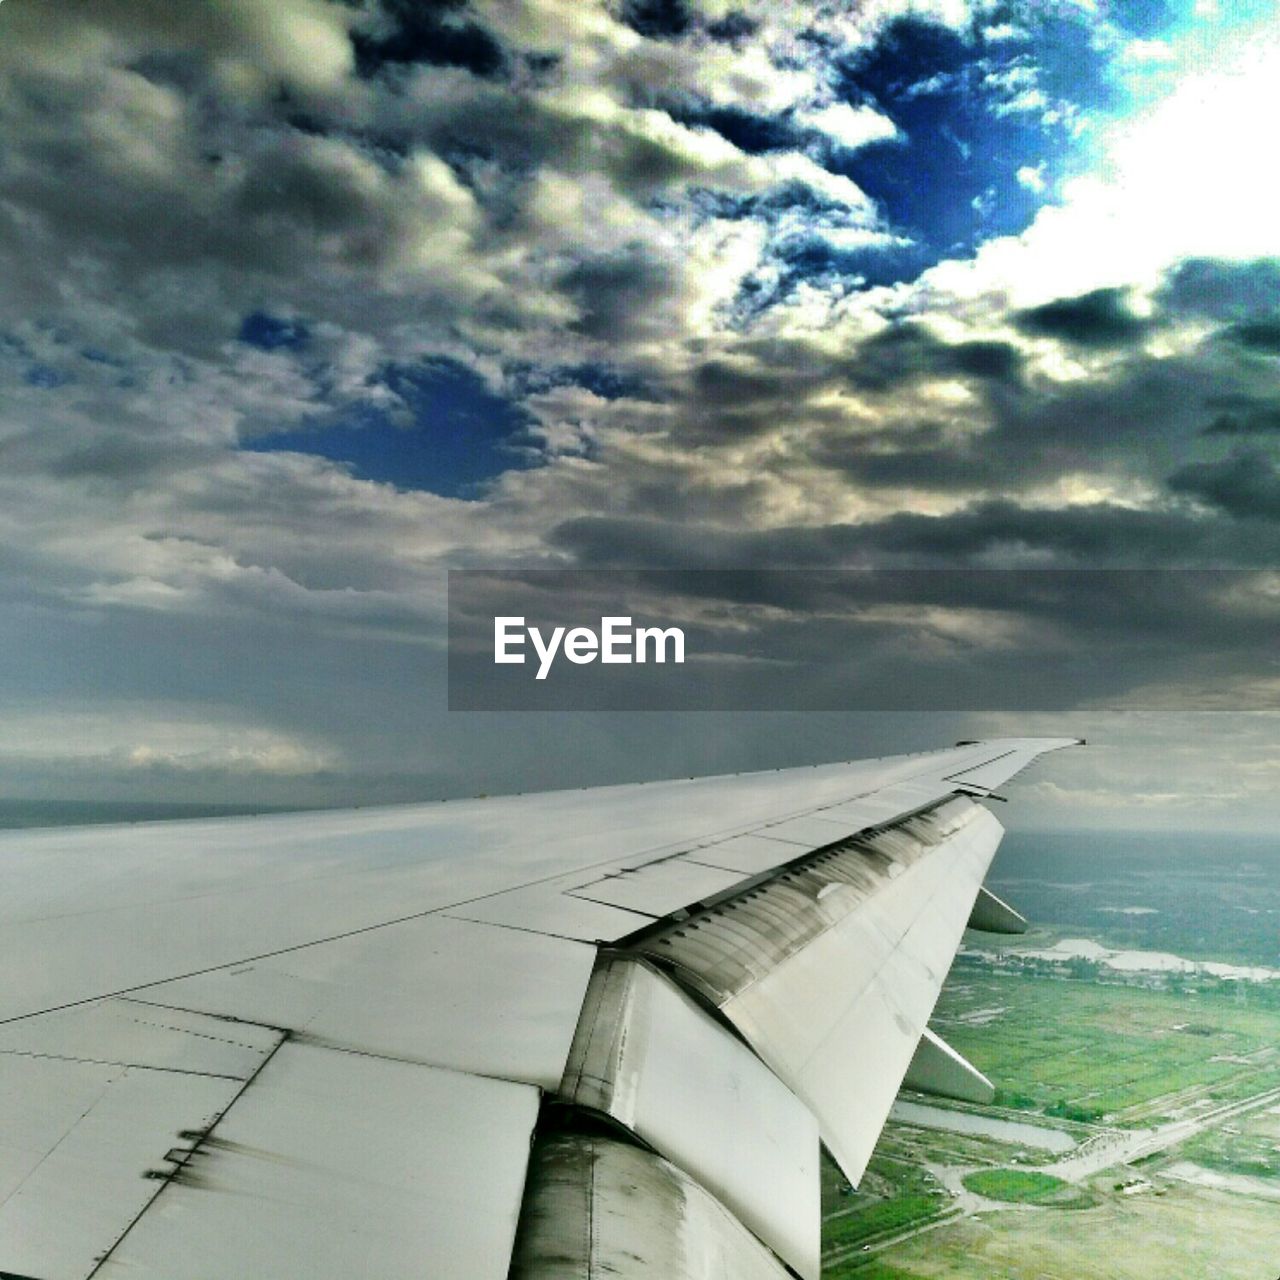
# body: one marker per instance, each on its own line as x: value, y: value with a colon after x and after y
x: 272, y: 333
x: 435, y: 32
x: 1143, y: 18
x: 972, y: 114
x: 754, y: 134
x: 46, y: 377
x: 447, y: 434
x: 986, y: 127
x: 604, y: 380
x: 658, y: 19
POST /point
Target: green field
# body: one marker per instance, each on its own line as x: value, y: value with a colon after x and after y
x: 1188, y: 1234
x: 1250, y: 1147
x: 1017, y: 1186
x: 1089, y: 1051
x: 1090, y: 1058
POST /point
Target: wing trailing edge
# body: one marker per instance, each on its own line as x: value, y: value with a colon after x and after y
x: 830, y: 970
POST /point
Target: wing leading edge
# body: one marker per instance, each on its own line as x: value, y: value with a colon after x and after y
x: 343, y: 1031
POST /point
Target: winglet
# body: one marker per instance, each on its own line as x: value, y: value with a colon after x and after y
x: 938, y: 1069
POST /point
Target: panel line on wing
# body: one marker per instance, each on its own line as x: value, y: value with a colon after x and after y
x: 198, y: 1141
x: 111, y: 1062
x: 333, y: 1164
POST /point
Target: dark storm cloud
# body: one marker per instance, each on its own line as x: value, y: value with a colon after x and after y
x: 984, y: 533
x: 1222, y: 290
x: 1245, y: 485
x: 910, y: 458
x: 768, y: 383
x: 1059, y: 426
x: 756, y: 387
x: 1141, y: 412
x: 616, y: 293
x: 1090, y: 533
x: 1260, y: 335
x: 1243, y: 415
x: 127, y: 461
x: 1018, y: 430
x: 1100, y: 318
x: 734, y: 26
x: 907, y: 351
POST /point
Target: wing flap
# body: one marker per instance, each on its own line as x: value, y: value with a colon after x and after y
x: 811, y: 831
x: 729, y: 1122
x: 553, y: 911
x: 830, y: 971
x: 441, y: 992
x: 750, y: 854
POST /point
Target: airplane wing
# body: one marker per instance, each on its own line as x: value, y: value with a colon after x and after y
x: 575, y: 1034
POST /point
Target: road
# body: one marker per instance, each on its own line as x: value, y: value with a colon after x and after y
x: 1115, y: 1146
x: 1123, y: 1146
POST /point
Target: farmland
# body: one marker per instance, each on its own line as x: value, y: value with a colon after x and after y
x: 1135, y: 1062
x: 1154, y: 1099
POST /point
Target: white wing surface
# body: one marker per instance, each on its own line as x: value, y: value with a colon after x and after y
x: 573, y: 1034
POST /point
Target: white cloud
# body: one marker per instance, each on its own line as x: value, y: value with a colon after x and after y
x: 1028, y: 100
x: 849, y: 126
x: 1021, y: 75
x: 936, y: 83
x: 1032, y: 177
x: 1180, y: 179
x: 134, y: 737
x: 1147, y: 52
x: 182, y: 202
x: 1147, y: 769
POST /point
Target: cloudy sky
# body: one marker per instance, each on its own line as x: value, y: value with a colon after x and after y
x: 306, y: 301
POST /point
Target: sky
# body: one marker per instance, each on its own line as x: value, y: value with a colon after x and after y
x: 306, y: 302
